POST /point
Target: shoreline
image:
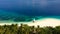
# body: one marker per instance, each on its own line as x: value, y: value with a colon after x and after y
x: 42, y: 23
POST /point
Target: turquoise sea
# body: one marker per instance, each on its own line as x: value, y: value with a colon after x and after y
x: 27, y: 10
x: 15, y: 17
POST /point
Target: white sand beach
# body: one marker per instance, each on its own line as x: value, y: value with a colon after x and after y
x: 46, y: 22
x: 42, y: 23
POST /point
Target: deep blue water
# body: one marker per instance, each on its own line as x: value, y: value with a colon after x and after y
x: 13, y: 16
x: 27, y: 10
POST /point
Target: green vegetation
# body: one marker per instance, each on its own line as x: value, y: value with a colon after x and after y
x: 25, y: 29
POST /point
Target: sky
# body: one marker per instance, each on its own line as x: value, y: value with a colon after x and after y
x: 32, y: 7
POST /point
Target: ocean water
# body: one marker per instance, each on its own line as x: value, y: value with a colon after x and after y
x: 27, y: 10
x: 12, y: 16
x: 9, y: 16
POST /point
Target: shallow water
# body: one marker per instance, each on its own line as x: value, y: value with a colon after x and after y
x: 15, y: 17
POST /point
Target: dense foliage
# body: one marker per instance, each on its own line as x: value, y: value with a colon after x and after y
x: 25, y: 29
